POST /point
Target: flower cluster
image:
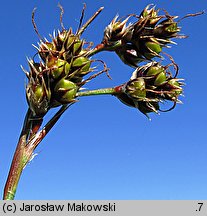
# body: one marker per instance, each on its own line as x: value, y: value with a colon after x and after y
x: 64, y: 61
x: 56, y: 78
x: 65, y: 65
x: 149, y: 85
x: 142, y: 41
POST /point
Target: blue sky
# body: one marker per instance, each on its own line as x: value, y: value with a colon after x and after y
x: 102, y: 149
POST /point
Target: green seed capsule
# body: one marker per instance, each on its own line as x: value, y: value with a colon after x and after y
x: 77, y: 47
x: 136, y: 88
x: 176, y: 88
x: 67, y: 67
x: 85, y: 69
x: 65, y: 91
x: 160, y: 79
x: 154, y: 47
x: 139, y: 94
x: 174, y: 82
x: 78, y: 62
x: 154, y: 70
x: 70, y: 41
x: 58, y: 68
x: 172, y: 28
x: 145, y: 13
x: 139, y: 83
x: 39, y: 93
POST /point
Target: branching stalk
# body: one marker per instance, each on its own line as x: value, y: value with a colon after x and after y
x: 103, y: 47
x: 105, y: 91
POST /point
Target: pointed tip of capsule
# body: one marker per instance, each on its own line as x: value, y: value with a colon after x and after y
x: 115, y: 19
x: 35, y: 46
x: 148, y: 117
x: 24, y: 70
x: 149, y: 5
x: 54, y: 33
x: 29, y: 60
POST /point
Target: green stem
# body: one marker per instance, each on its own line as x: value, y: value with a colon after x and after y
x: 104, y: 91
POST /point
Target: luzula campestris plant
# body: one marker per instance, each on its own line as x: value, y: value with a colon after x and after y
x: 65, y: 65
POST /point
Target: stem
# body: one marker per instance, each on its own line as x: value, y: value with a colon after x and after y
x: 97, y: 49
x: 26, y: 147
x: 28, y: 142
x: 81, y: 30
x: 104, y: 91
x: 35, y: 140
x: 30, y: 139
x: 18, y: 162
x: 104, y: 47
x: 15, y: 169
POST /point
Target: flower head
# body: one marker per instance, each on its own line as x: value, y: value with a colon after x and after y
x: 149, y: 86
x: 143, y: 39
x: 115, y: 31
x: 58, y: 76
